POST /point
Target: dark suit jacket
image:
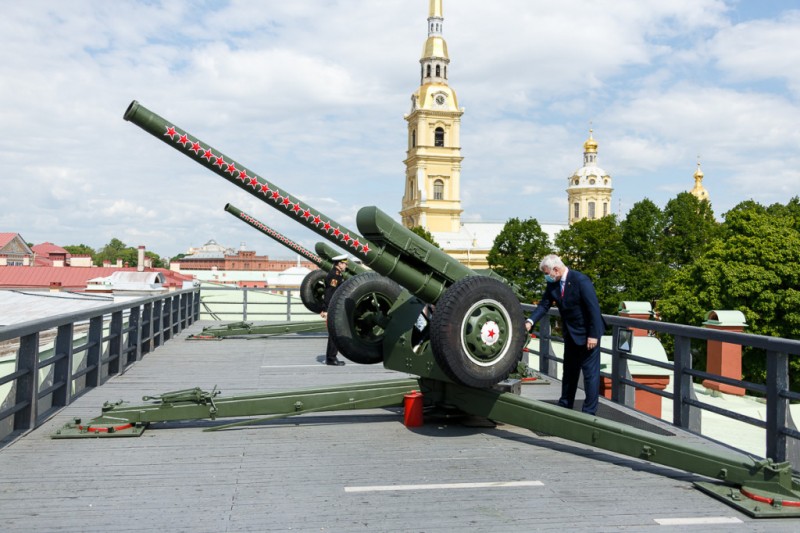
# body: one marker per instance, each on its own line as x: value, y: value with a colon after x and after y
x: 580, y: 310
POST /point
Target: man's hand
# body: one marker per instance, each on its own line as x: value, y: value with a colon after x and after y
x: 324, y: 314
x: 591, y: 343
x: 528, y: 326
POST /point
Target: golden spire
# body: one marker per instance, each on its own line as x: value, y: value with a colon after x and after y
x: 436, y: 9
x: 590, y: 145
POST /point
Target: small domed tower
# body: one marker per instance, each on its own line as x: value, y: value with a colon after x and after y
x: 589, y: 188
x: 699, y: 191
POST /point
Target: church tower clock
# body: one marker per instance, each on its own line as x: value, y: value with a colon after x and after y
x: 433, y: 162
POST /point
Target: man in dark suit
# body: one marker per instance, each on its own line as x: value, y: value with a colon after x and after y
x: 332, y: 282
x: 574, y: 295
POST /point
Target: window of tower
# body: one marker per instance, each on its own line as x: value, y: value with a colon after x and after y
x: 576, y: 210
x: 413, y: 138
x: 438, y: 190
x: 575, y: 181
x: 439, y: 137
x: 438, y: 71
x: 428, y: 71
x: 591, y: 181
x: 591, y: 211
x: 605, y: 209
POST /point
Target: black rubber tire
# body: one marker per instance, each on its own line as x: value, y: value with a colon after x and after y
x: 357, y: 316
x: 312, y: 290
x: 467, y: 317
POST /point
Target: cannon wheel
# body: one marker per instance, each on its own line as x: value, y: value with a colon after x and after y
x: 477, y: 331
x: 312, y: 290
x: 357, y: 316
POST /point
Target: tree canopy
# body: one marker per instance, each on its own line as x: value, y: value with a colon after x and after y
x: 516, y: 253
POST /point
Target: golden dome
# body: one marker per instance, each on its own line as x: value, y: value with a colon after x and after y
x: 590, y: 145
x: 435, y: 47
x: 698, y: 173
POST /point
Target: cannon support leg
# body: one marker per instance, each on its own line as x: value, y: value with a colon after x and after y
x: 124, y: 420
x: 759, y: 488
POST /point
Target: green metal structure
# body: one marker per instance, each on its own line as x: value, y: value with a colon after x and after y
x: 476, y: 340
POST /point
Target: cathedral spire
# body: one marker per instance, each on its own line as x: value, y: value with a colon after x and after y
x: 434, y: 58
x: 435, y: 18
x: 699, y: 191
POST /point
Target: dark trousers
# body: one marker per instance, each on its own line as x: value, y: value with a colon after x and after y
x: 331, y: 350
x: 577, y: 359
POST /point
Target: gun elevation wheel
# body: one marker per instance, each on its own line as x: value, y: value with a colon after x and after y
x: 357, y: 316
x: 477, y: 332
x: 312, y: 290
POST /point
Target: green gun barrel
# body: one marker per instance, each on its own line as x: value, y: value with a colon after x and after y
x: 394, y: 252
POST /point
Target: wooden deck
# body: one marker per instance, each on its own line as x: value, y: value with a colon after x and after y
x: 330, y: 472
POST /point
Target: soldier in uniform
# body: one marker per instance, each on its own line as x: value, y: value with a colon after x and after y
x: 332, y: 282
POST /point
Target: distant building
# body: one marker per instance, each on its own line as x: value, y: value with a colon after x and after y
x: 212, y: 256
x: 14, y: 251
x: 699, y: 191
x: 589, y: 187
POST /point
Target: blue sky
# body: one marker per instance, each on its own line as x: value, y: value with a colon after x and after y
x: 311, y: 95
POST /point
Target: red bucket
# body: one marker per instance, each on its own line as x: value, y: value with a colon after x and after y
x: 412, y: 415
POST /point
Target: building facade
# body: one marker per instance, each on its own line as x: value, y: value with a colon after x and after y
x: 589, y: 188
x: 432, y: 197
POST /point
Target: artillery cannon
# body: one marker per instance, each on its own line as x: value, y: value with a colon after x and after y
x: 476, y: 339
x: 312, y: 288
x: 477, y: 332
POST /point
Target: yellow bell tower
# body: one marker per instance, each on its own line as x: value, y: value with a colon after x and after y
x: 432, y: 197
x: 699, y: 191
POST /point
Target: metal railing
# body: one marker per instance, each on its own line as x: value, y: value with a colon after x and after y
x: 88, y: 347
x: 781, y: 437
x: 252, y: 304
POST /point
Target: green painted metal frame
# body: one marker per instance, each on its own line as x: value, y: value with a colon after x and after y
x: 248, y: 328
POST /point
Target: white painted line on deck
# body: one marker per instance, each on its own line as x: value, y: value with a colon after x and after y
x: 293, y: 366
x: 440, y: 486
x: 700, y: 520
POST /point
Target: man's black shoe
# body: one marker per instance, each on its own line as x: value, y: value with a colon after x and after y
x: 334, y: 362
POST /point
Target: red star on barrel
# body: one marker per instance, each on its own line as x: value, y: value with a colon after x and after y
x: 365, y: 248
x: 231, y: 168
x: 317, y: 220
x: 184, y: 139
x: 171, y: 132
x: 326, y: 227
x: 195, y: 148
x: 264, y: 189
x: 208, y: 155
x: 243, y: 175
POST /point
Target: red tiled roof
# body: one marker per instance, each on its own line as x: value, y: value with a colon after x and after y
x: 71, y: 278
x: 47, y: 248
x: 6, y: 238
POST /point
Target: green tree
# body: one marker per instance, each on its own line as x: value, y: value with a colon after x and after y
x: 689, y: 228
x: 595, y: 248
x: 752, y: 268
x: 80, y: 249
x: 516, y: 253
x: 425, y: 234
x: 642, y: 233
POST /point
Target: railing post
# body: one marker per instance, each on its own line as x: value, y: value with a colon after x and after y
x: 544, y: 346
x: 115, y: 344
x: 27, y: 384
x: 147, y: 328
x: 779, y: 447
x: 620, y: 393
x: 289, y: 305
x: 244, y: 304
x: 62, y: 369
x: 156, y: 321
x: 134, y: 336
x: 683, y: 414
x: 93, y: 353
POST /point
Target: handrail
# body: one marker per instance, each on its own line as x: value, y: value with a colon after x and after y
x: 44, y: 381
x: 781, y: 437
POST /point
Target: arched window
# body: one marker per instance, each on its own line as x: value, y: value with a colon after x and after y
x: 413, y: 138
x: 438, y: 71
x: 576, y: 210
x: 428, y: 70
x: 438, y: 190
x: 438, y: 137
x: 591, y: 211
x: 605, y: 209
